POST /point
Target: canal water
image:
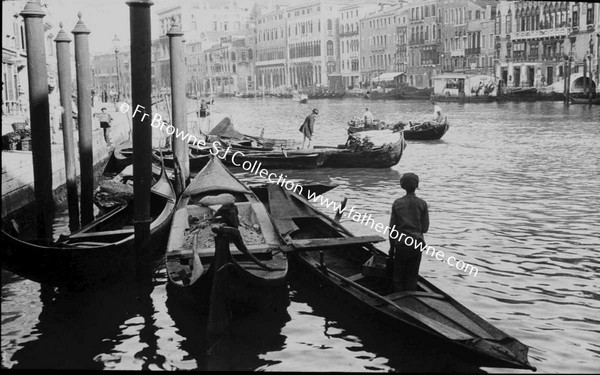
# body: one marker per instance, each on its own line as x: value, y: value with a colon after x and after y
x: 513, y: 189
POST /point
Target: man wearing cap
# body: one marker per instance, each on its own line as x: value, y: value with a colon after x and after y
x: 410, y: 217
x: 307, y: 127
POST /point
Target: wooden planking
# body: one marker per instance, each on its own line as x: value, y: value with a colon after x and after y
x: 399, y: 295
x: 254, y: 249
x: 322, y: 243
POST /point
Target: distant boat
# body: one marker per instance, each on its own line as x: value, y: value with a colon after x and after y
x: 426, y: 131
x: 581, y: 100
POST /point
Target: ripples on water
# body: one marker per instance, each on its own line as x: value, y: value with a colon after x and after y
x: 512, y: 187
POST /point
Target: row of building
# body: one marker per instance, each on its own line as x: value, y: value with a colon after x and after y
x: 241, y: 46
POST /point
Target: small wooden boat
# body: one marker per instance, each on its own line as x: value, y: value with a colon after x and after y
x: 385, y: 156
x: 582, y: 100
x: 197, y: 160
x: 426, y: 131
x: 101, y: 252
x: 275, y: 160
x: 122, y: 157
x: 199, y: 240
x: 353, y: 268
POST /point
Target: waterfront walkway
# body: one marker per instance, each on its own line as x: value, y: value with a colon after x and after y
x: 17, y: 166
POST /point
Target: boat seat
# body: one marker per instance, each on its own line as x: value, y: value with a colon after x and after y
x: 259, y: 249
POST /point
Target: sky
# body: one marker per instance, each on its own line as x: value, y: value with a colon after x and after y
x: 105, y: 18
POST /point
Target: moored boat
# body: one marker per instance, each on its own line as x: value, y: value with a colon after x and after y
x: 583, y: 100
x: 352, y: 268
x: 276, y: 160
x: 101, y: 252
x: 200, y: 234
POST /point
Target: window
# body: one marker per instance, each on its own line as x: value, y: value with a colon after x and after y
x: 508, y: 23
x: 590, y: 14
x: 575, y: 15
x: 329, y: 48
x: 329, y: 25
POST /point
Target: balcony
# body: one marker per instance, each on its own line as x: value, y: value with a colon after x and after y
x: 545, y: 33
x: 473, y: 51
x: 348, y: 34
x: 552, y: 57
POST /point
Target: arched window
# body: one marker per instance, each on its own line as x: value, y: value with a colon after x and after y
x: 329, y: 48
x: 509, y: 22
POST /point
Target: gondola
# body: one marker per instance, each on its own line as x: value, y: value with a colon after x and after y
x: 197, y: 161
x: 199, y: 241
x: 101, y: 252
x: 384, y: 156
x: 324, y: 250
x: 426, y: 131
x: 275, y: 160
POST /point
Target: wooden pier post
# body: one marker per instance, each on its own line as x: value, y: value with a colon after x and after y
x: 84, y: 119
x: 141, y: 94
x: 585, y: 81
x: 39, y: 112
x: 63, y: 58
x: 178, y: 100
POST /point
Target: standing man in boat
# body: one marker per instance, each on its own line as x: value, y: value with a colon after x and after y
x: 368, y: 116
x: 410, y: 217
x: 308, y: 127
x: 438, y: 115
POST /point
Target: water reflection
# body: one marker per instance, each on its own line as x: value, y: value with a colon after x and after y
x: 73, y: 327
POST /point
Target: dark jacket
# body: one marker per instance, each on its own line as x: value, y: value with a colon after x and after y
x: 307, y: 127
x: 410, y: 216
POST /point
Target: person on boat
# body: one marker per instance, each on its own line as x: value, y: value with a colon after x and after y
x: 438, y: 115
x: 410, y: 218
x: 368, y: 116
x: 308, y: 127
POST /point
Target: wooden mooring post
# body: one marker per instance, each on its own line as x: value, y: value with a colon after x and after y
x: 39, y: 112
x: 178, y: 100
x: 141, y: 94
x: 84, y: 119
x: 63, y: 58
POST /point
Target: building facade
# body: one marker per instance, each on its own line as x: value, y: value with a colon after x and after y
x: 111, y: 72
x: 349, y: 33
x: 379, y: 43
x: 272, y: 59
x: 424, y: 31
x: 536, y: 39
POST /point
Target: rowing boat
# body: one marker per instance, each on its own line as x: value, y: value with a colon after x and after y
x: 351, y: 267
x: 101, y: 252
x: 426, y: 131
x: 215, y: 209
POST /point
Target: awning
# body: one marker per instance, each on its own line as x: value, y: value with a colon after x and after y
x: 386, y: 77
